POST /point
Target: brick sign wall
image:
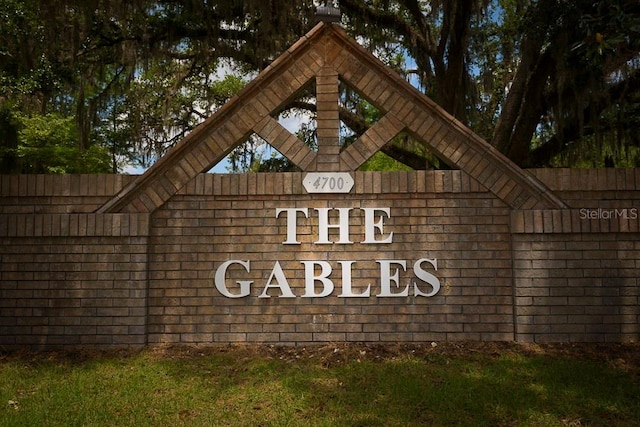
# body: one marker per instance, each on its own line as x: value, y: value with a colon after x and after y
x: 409, y: 257
x: 372, y: 291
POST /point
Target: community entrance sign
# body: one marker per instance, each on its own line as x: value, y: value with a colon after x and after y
x: 372, y: 223
x: 484, y: 251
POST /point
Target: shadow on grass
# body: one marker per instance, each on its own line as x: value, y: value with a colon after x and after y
x: 293, y: 387
x: 512, y: 390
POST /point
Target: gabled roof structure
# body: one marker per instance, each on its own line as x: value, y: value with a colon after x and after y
x: 328, y: 55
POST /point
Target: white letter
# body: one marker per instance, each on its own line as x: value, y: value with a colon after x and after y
x: 346, y: 281
x: 426, y: 277
x: 282, y: 283
x: 370, y: 226
x: 292, y: 223
x: 323, y: 225
x: 220, y: 280
x: 386, y: 278
x: 310, y: 279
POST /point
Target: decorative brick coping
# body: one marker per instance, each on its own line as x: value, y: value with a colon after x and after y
x: 583, y: 220
x: 74, y: 225
x: 560, y: 179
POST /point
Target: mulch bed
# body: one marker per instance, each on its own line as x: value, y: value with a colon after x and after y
x: 623, y: 356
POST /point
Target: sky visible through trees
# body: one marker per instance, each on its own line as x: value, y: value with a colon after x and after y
x: 108, y: 87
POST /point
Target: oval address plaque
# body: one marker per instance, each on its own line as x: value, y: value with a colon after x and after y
x: 328, y: 182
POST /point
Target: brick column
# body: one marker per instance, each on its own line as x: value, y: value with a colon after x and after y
x: 328, y: 130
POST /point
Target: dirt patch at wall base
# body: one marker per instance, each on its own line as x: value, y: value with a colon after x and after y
x: 622, y: 356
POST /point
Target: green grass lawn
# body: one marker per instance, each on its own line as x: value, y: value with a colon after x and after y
x: 449, y: 384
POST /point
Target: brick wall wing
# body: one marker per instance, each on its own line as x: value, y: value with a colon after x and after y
x: 70, y: 277
x: 73, y: 279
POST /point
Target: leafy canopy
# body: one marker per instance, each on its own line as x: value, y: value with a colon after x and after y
x: 547, y: 82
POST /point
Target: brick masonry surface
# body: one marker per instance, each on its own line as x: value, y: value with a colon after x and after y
x: 70, y: 276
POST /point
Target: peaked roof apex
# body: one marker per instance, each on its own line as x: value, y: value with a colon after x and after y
x: 327, y: 54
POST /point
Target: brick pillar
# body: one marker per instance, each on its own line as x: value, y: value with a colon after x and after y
x: 328, y: 120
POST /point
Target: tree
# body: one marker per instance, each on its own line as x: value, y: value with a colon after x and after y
x: 547, y: 82
x: 534, y: 78
x: 139, y: 70
x: 47, y: 144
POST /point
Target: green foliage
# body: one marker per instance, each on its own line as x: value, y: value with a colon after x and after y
x: 277, y: 163
x: 381, y: 162
x: 537, y: 79
x: 47, y: 144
